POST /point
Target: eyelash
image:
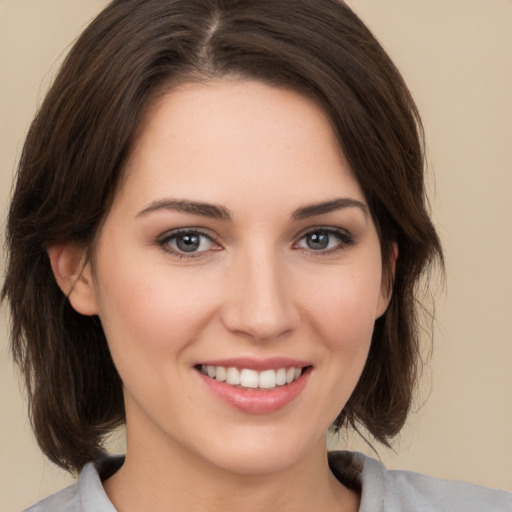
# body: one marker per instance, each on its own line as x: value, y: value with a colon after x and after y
x: 164, y: 242
x: 345, y: 239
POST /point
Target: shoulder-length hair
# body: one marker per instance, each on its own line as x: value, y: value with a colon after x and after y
x: 79, y: 141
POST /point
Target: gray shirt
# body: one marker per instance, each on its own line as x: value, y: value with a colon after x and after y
x: 382, y: 490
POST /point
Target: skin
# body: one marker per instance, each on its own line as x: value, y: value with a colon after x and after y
x: 255, y: 288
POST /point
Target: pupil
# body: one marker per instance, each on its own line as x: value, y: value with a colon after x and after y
x: 318, y: 241
x: 188, y: 243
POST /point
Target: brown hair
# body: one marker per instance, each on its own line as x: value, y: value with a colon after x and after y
x: 73, y: 159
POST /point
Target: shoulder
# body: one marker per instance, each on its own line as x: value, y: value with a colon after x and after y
x: 386, y: 490
x: 66, y: 500
x: 87, y: 494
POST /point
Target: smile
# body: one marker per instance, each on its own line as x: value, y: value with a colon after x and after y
x: 254, y: 385
x: 250, y: 378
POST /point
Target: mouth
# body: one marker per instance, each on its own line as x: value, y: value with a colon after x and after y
x: 249, y: 378
x: 255, y: 386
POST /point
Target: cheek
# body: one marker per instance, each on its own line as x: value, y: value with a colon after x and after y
x: 151, y: 310
x: 150, y: 320
x: 341, y: 316
x: 345, y: 304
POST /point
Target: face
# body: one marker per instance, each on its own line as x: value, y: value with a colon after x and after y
x: 237, y: 277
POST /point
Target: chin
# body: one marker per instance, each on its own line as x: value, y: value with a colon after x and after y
x: 262, y: 453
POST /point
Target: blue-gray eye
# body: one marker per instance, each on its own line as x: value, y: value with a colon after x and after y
x: 324, y: 239
x: 318, y: 241
x: 188, y: 242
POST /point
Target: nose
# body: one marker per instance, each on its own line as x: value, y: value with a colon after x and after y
x: 260, y: 298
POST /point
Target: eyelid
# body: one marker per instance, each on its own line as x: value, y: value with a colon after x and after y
x: 163, y: 242
x: 347, y: 239
x: 346, y: 233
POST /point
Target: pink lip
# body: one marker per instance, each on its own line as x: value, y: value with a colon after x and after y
x: 272, y: 363
x: 257, y: 401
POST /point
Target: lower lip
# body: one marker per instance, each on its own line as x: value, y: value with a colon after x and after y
x: 257, y: 401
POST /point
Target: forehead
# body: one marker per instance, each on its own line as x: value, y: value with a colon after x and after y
x: 206, y: 140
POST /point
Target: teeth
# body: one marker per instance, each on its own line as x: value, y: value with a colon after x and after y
x: 281, y: 377
x: 220, y: 373
x: 248, y: 378
x: 232, y: 376
x: 267, y: 379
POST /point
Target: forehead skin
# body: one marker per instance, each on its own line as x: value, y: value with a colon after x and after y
x: 249, y: 137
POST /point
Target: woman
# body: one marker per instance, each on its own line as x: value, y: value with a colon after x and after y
x: 215, y: 236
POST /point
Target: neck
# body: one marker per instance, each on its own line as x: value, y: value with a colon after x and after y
x: 175, y: 479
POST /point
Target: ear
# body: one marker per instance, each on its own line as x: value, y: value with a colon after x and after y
x: 73, y: 274
x: 388, y: 276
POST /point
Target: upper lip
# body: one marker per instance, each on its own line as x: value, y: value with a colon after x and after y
x: 272, y: 363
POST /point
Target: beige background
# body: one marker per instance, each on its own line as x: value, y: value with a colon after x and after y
x: 456, y: 56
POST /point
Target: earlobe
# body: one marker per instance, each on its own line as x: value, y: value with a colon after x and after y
x: 73, y: 274
x: 388, y: 277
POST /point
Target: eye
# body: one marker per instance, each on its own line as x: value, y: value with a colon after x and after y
x: 187, y: 242
x: 325, y: 240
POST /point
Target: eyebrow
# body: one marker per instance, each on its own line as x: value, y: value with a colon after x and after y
x: 328, y: 206
x: 219, y: 212
x: 185, y: 206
